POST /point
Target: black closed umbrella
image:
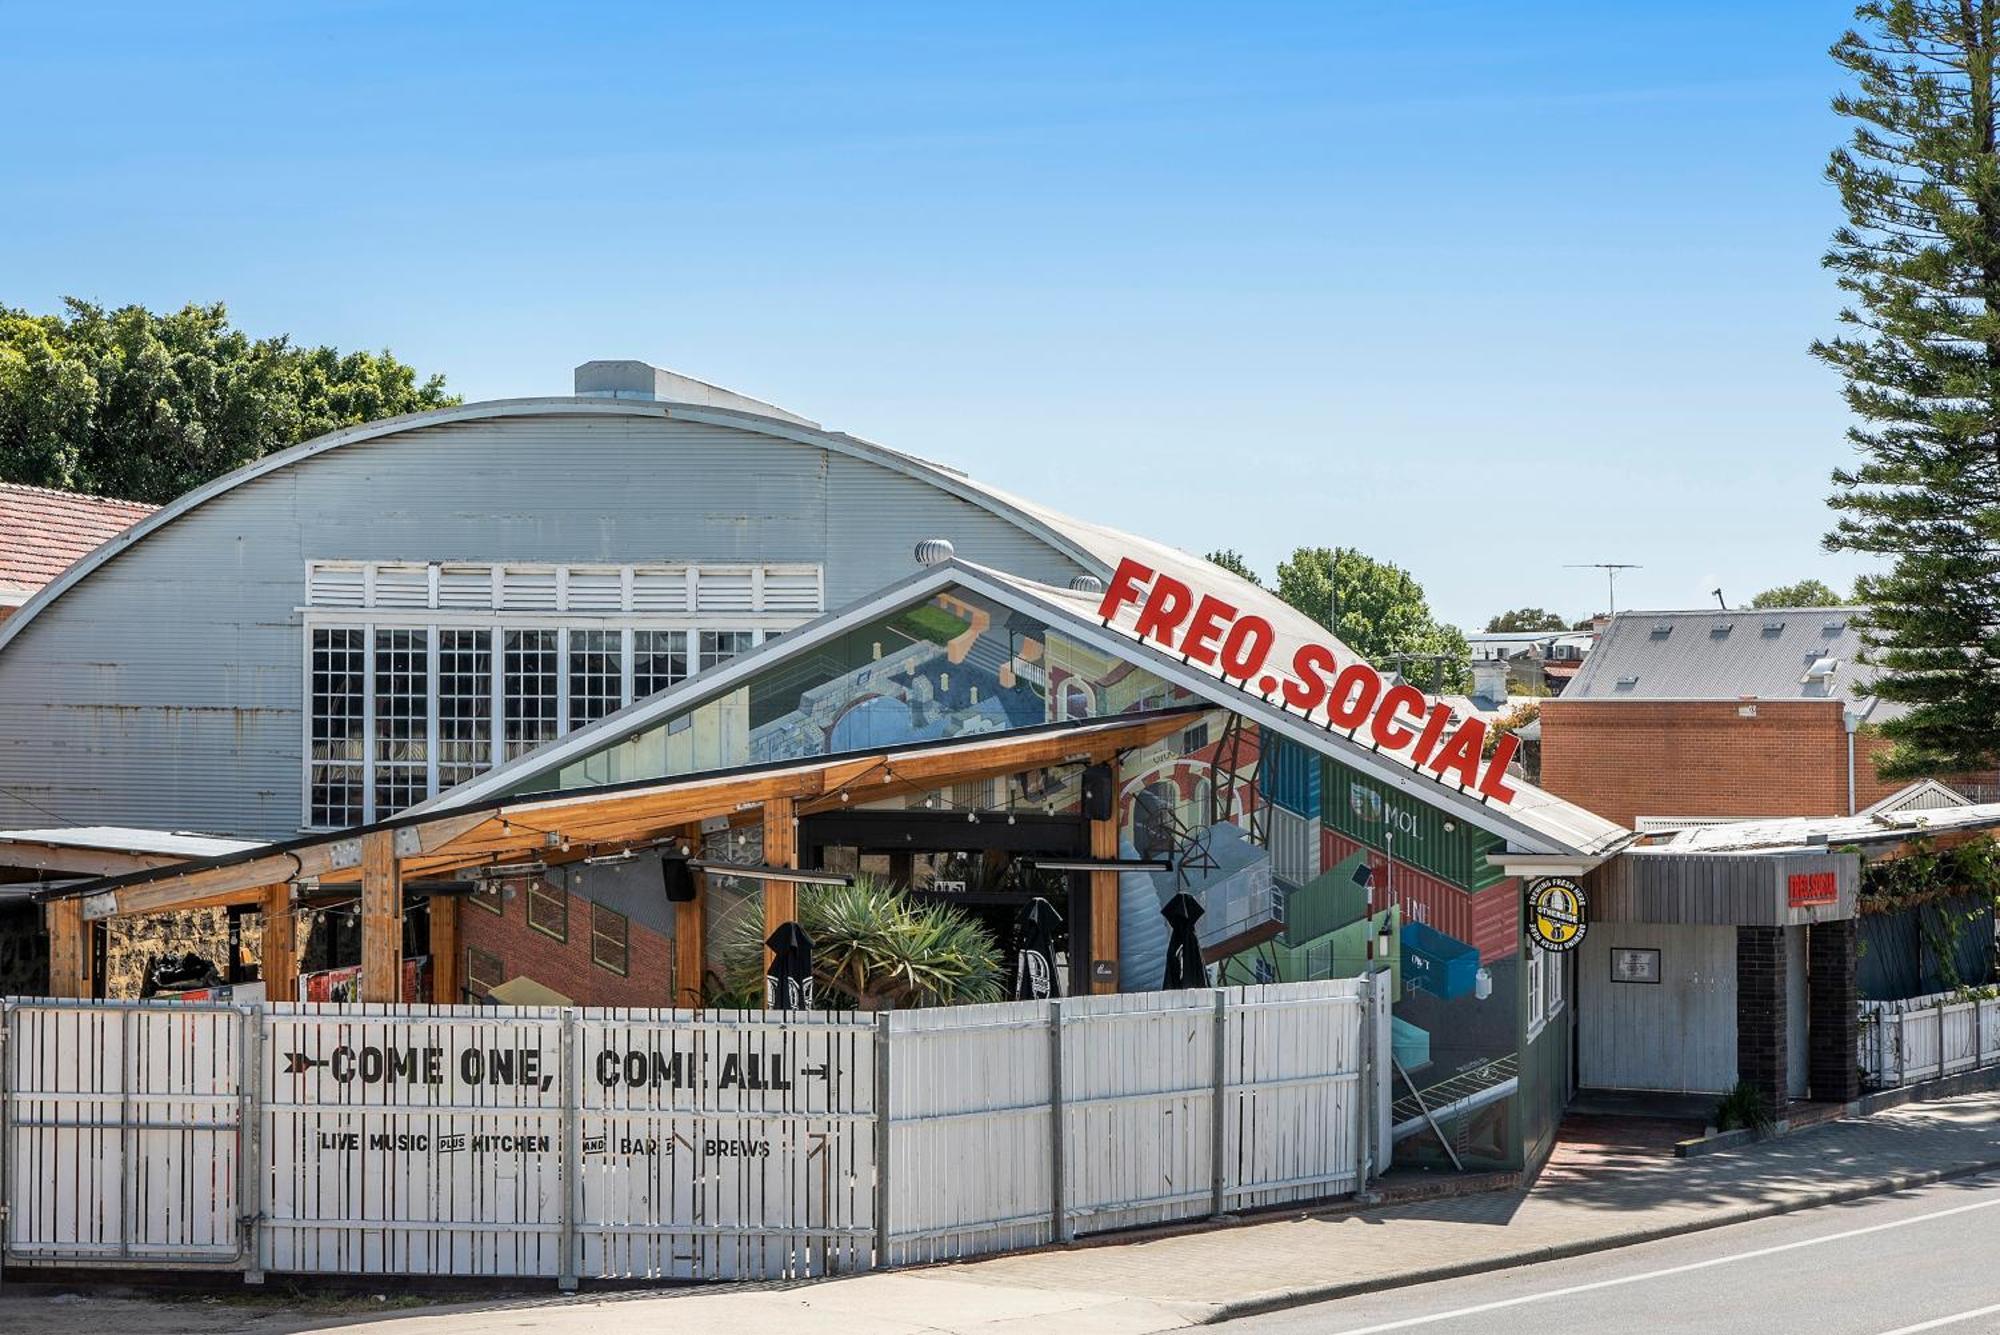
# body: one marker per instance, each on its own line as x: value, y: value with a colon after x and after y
x: 788, y: 986
x: 1184, y: 966
x: 1035, y: 945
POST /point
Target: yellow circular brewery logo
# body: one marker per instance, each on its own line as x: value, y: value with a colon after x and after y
x: 1555, y: 913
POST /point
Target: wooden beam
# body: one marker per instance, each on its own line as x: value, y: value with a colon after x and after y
x: 69, y: 950
x: 280, y: 951
x: 781, y: 849
x: 447, y: 956
x: 691, y: 936
x: 1104, y: 907
x: 381, y: 919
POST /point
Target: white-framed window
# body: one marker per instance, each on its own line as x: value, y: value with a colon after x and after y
x: 659, y: 660
x: 596, y: 674
x: 1543, y: 972
x: 421, y: 677
x: 336, y: 744
x: 719, y: 646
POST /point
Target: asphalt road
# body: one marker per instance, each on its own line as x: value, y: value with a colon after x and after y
x: 1888, y: 1265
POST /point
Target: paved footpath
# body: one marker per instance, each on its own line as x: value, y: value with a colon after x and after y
x: 1583, y: 1202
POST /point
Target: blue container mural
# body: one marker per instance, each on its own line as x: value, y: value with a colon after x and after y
x: 1438, y: 964
x: 1289, y: 775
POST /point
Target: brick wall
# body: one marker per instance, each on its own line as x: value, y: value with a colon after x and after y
x: 1832, y: 1074
x: 1629, y: 758
x: 1760, y: 1013
x: 566, y: 965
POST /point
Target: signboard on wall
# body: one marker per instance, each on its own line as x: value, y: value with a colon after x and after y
x: 1634, y: 965
x: 1555, y: 913
x: 1807, y: 888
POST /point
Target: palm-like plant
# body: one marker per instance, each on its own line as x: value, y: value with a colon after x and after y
x: 878, y: 949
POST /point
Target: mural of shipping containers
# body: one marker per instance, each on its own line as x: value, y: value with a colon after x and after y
x: 1414, y: 832
x: 1488, y: 919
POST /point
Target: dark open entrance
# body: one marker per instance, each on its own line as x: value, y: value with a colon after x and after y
x: 978, y: 866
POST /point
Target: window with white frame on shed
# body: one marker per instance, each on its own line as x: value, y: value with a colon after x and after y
x: 421, y: 677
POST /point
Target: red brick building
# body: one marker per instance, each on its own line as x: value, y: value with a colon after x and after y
x: 1718, y: 714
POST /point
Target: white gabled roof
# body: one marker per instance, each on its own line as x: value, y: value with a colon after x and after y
x: 1535, y: 821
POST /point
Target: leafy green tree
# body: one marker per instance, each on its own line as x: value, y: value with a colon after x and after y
x: 1232, y: 560
x: 1526, y: 619
x: 1378, y: 610
x: 144, y: 406
x: 1805, y: 593
x: 1919, y: 262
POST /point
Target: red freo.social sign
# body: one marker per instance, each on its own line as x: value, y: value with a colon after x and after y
x: 1214, y: 633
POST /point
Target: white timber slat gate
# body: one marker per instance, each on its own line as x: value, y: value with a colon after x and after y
x: 1927, y: 1038
x: 652, y: 1144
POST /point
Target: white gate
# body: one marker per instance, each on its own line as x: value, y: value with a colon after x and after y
x: 122, y: 1126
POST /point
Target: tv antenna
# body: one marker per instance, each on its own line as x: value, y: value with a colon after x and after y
x: 1610, y: 569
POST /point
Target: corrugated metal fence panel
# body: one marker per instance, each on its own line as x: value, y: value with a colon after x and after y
x: 724, y: 1146
x: 122, y: 1129
x: 1287, y: 773
x: 405, y: 1146
x: 969, y: 1086
x: 1138, y: 1092
x: 1412, y: 831
x: 1293, y: 1115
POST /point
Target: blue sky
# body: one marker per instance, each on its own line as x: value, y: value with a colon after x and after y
x: 1479, y: 289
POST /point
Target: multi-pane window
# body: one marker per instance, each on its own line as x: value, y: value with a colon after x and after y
x: 464, y: 705
x: 719, y: 646
x: 402, y: 718
x: 596, y: 674
x: 659, y: 660
x: 430, y: 675
x: 531, y: 690
x: 484, y: 971
x: 338, y: 746
x: 548, y: 909
x: 610, y: 938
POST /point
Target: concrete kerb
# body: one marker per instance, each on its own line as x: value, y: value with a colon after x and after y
x: 1300, y: 1297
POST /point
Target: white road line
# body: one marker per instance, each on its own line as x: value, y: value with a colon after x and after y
x: 1943, y: 1321
x: 1407, y: 1322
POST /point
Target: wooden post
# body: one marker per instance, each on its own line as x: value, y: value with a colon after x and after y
x: 381, y: 919
x: 781, y: 849
x: 446, y: 954
x: 69, y: 950
x: 691, y: 935
x: 279, y: 954
x: 1104, y: 907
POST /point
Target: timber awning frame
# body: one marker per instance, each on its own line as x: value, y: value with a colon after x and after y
x: 568, y: 825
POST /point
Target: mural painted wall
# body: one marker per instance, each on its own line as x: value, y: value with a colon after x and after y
x: 1304, y: 867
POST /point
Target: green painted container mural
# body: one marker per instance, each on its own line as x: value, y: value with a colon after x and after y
x: 1425, y: 836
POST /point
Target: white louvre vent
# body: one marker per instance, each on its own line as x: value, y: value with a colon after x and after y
x: 528, y: 590
x: 596, y: 591
x: 402, y: 586
x: 791, y: 591
x: 329, y: 584
x: 465, y: 587
x: 724, y: 591
x: 658, y: 590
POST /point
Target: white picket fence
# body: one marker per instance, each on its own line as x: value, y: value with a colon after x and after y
x: 1926, y: 1038
x: 565, y: 1143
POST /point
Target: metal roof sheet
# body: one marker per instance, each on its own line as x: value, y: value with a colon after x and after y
x: 1717, y: 654
x: 1834, y: 831
x: 125, y: 839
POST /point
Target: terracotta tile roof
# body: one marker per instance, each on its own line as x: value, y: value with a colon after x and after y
x: 43, y: 531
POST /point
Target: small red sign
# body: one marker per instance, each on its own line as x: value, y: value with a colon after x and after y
x: 1807, y: 888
